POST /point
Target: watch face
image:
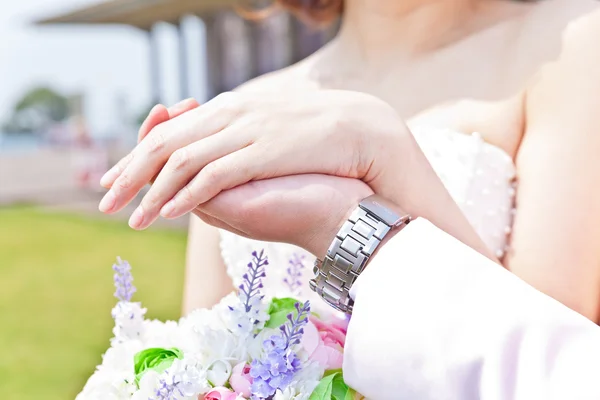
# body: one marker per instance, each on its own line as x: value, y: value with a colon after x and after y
x: 384, y: 209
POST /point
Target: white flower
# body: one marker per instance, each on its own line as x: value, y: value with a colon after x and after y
x: 255, y: 345
x: 113, y: 379
x: 148, y: 386
x: 120, y: 356
x: 240, y: 321
x: 129, y: 321
x: 107, y: 385
x: 218, y: 373
x: 161, y: 334
x: 216, y: 345
x: 310, y: 372
x: 305, y: 381
x: 192, y: 378
x: 203, y: 318
x: 183, y: 380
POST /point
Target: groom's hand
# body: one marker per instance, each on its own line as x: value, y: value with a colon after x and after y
x: 304, y: 210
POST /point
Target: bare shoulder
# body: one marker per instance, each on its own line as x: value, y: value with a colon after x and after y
x: 566, y: 91
x: 579, y: 56
x: 557, y: 13
x: 539, y: 33
x: 582, y: 36
x: 292, y: 78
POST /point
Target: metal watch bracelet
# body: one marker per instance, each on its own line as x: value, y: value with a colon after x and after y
x: 351, y: 249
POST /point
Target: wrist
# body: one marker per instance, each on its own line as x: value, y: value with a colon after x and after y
x: 321, y: 242
x: 368, y: 226
x: 330, y: 226
x: 399, y: 170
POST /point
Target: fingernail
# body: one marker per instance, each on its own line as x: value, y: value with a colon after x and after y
x: 137, y: 218
x: 109, y: 177
x: 168, y: 209
x: 108, y: 202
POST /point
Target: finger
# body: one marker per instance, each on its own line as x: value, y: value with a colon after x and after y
x: 156, y: 116
x: 160, y: 114
x: 224, y: 173
x: 175, y: 111
x: 151, y: 154
x: 109, y: 177
x: 183, y: 107
x: 179, y: 170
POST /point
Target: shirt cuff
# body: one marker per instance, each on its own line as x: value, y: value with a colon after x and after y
x: 434, y: 319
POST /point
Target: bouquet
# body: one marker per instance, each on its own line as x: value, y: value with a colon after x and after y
x: 245, y: 347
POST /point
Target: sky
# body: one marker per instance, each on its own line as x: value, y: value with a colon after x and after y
x: 108, y: 64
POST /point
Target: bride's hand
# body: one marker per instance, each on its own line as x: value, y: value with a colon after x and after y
x: 237, y: 138
x: 304, y: 210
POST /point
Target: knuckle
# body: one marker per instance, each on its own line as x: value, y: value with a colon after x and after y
x: 150, y: 201
x: 186, y: 195
x: 230, y: 101
x: 124, y: 182
x: 124, y: 161
x: 179, y: 160
x: 212, y: 173
x: 226, y: 98
x: 156, y: 141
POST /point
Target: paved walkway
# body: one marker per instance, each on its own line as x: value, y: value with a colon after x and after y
x: 49, y: 178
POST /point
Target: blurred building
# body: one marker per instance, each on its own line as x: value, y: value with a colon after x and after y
x: 236, y: 48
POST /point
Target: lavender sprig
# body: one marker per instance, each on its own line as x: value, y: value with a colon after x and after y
x: 123, y: 280
x: 168, y: 390
x: 292, y: 332
x: 276, y: 369
x: 252, y: 279
x: 294, y: 273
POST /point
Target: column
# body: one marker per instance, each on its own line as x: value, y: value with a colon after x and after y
x: 154, y: 59
x: 184, y: 91
x: 213, y: 56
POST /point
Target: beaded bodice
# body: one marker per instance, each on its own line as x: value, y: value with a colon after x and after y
x: 479, y: 176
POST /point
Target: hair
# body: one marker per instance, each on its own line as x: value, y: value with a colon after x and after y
x: 320, y: 12
x: 314, y: 12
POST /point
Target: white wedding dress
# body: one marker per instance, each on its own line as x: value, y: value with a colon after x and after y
x: 479, y: 176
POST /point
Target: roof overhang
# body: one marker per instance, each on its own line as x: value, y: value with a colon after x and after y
x: 139, y: 13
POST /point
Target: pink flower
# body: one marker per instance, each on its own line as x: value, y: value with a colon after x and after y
x: 324, y: 342
x: 220, y: 393
x: 241, y: 380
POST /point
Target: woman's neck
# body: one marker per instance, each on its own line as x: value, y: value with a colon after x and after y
x: 375, y: 33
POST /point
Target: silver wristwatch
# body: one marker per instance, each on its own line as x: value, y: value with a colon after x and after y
x: 351, y: 249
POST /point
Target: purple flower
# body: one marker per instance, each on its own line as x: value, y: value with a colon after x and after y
x: 123, y: 280
x: 292, y: 331
x: 261, y: 389
x: 168, y: 391
x: 250, y: 287
x: 294, y: 273
x: 276, y: 369
x: 274, y: 344
x: 259, y: 370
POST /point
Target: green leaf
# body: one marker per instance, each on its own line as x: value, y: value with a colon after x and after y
x: 332, y: 387
x: 339, y: 389
x: 279, y: 310
x: 155, y: 359
x: 324, y: 389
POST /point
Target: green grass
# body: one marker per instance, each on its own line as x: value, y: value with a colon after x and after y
x: 56, y: 295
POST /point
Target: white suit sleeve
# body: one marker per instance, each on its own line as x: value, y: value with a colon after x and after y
x: 434, y: 319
